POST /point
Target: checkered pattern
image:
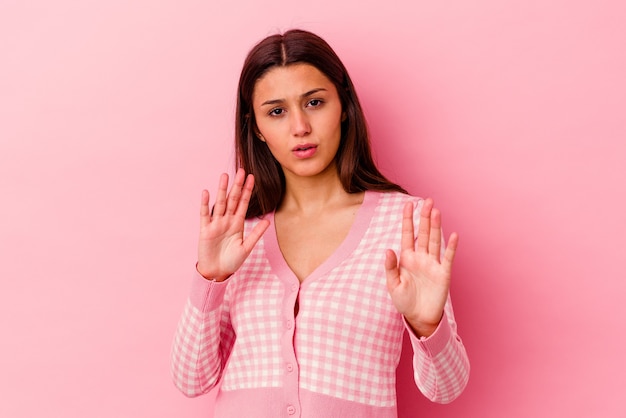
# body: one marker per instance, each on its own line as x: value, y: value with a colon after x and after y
x: 443, y: 375
x: 345, y: 341
x: 198, y: 350
x: 256, y: 358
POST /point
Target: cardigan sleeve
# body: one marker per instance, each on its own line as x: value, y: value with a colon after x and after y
x: 440, y: 363
x: 203, y: 338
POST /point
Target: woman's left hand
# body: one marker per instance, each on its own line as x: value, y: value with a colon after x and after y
x: 420, y: 281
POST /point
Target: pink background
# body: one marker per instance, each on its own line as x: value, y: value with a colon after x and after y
x: 114, y: 115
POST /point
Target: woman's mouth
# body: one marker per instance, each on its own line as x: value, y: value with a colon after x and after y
x: 305, y: 150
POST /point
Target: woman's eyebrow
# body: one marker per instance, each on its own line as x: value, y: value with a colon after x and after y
x: 312, y: 92
x: 307, y: 94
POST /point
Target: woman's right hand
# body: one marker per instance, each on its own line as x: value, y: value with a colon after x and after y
x: 222, y: 248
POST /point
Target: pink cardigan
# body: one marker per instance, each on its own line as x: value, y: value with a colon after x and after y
x: 338, y: 356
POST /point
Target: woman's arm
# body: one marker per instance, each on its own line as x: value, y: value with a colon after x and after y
x: 419, y: 284
x: 203, y: 339
x: 204, y: 336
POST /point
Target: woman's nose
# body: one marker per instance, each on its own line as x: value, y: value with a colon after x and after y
x: 300, y: 125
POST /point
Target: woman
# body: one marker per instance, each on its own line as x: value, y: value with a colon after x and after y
x: 307, y: 280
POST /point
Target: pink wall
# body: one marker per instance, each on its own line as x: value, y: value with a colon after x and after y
x: 113, y: 116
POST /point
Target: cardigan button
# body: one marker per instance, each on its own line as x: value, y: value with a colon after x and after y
x: 289, y: 367
x: 289, y: 324
x: 291, y: 409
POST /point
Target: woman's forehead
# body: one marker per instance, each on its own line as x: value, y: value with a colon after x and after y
x: 289, y: 81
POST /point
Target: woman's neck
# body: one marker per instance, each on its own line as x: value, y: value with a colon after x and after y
x: 312, y: 195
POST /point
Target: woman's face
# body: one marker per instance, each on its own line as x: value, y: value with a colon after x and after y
x: 298, y: 115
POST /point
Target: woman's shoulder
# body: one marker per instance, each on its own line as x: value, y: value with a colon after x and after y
x: 393, y: 200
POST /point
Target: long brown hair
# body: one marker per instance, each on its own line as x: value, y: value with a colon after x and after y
x: 355, y: 165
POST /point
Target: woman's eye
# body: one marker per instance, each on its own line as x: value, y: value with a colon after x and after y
x: 315, y: 102
x: 276, y: 112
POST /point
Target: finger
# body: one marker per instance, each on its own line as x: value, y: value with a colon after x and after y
x: 448, y: 256
x: 246, y: 193
x: 407, y: 241
x: 391, y: 270
x: 254, y: 236
x: 220, y: 202
x: 424, y: 227
x: 434, y: 241
x: 235, y: 192
x: 205, y: 212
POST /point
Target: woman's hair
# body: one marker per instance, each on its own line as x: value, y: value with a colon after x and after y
x: 355, y: 166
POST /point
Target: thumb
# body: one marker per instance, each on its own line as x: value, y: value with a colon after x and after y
x: 391, y: 270
x: 256, y: 234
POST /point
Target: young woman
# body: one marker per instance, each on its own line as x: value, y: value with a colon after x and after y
x: 312, y: 265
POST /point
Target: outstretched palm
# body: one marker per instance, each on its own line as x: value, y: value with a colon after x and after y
x: 419, y: 282
x: 222, y: 247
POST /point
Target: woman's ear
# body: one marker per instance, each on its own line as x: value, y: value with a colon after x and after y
x: 258, y: 134
x: 255, y: 129
x: 343, y: 116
